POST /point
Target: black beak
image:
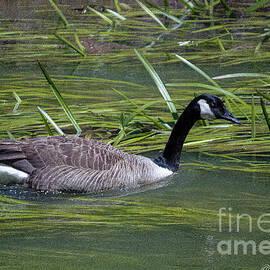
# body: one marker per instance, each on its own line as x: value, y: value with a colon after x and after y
x: 228, y: 116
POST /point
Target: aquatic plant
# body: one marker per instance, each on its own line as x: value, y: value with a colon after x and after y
x: 139, y: 122
x: 113, y: 95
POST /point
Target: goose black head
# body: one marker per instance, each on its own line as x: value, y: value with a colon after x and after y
x: 212, y: 107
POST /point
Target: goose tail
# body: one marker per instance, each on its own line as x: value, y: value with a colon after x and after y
x: 10, y: 151
x: 11, y: 163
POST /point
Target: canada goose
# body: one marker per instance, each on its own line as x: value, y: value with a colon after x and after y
x: 82, y: 165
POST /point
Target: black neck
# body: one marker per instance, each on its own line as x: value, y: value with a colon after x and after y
x: 171, y: 155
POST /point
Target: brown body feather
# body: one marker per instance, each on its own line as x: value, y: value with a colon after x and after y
x: 75, y: 164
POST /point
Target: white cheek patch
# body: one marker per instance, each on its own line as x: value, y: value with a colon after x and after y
x: 206, y: 112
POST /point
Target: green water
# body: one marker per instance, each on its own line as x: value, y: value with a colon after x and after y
x: 171, y: 225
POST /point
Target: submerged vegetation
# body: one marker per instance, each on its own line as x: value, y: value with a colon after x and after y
x: 122, y: 73
x: 200, y: 47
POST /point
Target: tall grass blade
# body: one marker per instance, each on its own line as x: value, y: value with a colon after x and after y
x: 253, y: 132
x: 257, y: 5
x: 207, y: 77
x: 228, y: 104
x: 60, y: 99
x: 123, y: 122
x: 136, y: 138
x: 47, y: 119
x: 166, y: 125
x: 81, y: 47
x: 243, y: 112
x: 265, y: 37
x: 104, y: 17
x: 19, y: 101
x: 266, y: 116
x: 189, y: 5
x: 81, y: 52
x: 206, y: 86
x: 122, y: 132
x: 220, y: 45
x: 149, y: 12
x: 197, y: 70
x: 59, y: 12
x: 10, y: 135
x: 117, y: 6
x: 46, y: 123
x: 165, y: 13
x: 206, y: 4
x: 159, y: 84
x: 117, y: 15
x: 258, y: 47
x: 226, y: 7
x: 141, y: 109
x: 166, y: 5
x: 267, y: 97
x: 238, y: 75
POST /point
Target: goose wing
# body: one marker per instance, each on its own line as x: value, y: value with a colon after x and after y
x: 69, y: 178
x: 36, y: 153
x: 130, y: 171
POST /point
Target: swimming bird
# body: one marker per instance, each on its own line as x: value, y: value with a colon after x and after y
x: 80, y: 165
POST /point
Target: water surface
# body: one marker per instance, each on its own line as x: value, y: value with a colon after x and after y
x: 173, y: 225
